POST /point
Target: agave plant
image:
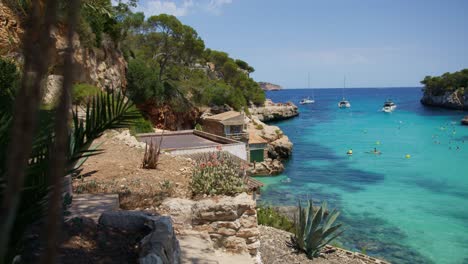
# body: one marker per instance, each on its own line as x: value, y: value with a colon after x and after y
x: 314, y: 229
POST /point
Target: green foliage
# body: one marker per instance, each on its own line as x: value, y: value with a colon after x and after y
x: 198, y: 127
x: 217, y: 174
x: 314, y: 229
x: 9, y: 81
x: 142, y: 82
x: 447, y: 82
x: 141, y: 125
x: 269, y: 216
x: 259, y: 126
x: 104, y: 111
x: 82, y: 93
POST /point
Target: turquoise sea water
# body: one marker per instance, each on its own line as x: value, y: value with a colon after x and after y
x: 405, y: 210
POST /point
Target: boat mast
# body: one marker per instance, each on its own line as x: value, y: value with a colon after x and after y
x: 344, y: 86
x: 308, y: 85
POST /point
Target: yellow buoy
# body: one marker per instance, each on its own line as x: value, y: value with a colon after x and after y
x: 408, y: 156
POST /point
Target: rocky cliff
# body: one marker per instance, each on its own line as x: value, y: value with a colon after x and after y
x: 266, y: 86
x: 104, y: 67
x: 279, y: 147
x: 274, y: 111
x: 457, y: 99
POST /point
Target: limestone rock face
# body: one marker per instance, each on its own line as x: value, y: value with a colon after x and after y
x: 52, y: 89
x: 451, y: 100
x: 103, y: 66
x: 267, y: 167
x: 274, y: 111
x: 280, y: 148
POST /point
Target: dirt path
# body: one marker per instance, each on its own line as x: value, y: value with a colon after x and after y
x: 118, y: 170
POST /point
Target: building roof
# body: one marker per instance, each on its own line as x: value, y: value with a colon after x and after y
x: 256, y: 139
x: 228, y: 118
x: 224, y: 116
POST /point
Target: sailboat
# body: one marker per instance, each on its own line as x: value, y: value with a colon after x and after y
x: 308, y: 100
x: 344, y: 103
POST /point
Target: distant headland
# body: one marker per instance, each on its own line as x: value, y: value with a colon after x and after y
x: 266, y: 86
x: 446, y: 91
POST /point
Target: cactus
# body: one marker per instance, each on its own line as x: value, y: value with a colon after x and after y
x: 314, y: 229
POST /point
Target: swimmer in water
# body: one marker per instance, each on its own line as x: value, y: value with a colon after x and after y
x: 376, y: 151
x: 350, y: 152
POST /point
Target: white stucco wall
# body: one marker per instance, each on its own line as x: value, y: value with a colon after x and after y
x: 236, y: 149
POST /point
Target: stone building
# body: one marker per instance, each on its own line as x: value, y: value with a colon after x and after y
x: 257, y: 148
x: 230, y: 124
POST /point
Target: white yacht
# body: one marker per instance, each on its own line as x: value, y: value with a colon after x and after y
x: 388, y: 106
x: 344, y: 103
x: 307, y: 101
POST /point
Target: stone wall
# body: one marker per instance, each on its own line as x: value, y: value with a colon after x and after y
x: 231, y: 222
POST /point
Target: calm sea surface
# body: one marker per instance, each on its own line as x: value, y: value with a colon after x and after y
x: 406, y: 210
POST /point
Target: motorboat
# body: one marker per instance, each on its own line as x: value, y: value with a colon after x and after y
x: 388, y: 106
x: 307, y: 101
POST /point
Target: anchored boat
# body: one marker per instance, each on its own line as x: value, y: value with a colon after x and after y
x: 388, y: 106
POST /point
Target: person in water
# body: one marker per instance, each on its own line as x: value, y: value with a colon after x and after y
x: 376, y: 151
x: 350, y: 152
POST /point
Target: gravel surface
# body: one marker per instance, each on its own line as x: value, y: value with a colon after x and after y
x: 274, y: 250
x: 118, y: 170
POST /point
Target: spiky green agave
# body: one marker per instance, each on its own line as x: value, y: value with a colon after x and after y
x: 314, y: 229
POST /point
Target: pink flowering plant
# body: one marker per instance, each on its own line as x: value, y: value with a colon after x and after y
x: 217, y: 173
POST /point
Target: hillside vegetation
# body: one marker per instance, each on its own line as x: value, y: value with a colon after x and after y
x: 171, y: 72
x: 447, y: 82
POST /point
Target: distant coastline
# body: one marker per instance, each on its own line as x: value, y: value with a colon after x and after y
x: 266, y: 86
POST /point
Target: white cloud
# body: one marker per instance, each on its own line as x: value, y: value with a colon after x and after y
x: 216, y: 6
x: 181, y: 8
x: 156, y: 7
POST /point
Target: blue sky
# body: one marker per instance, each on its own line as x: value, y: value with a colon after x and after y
x: 375, y: 43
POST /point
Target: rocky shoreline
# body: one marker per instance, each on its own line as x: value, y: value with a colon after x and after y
x: 464, y: 121
x: 279, y: 147
x: 451, y: 100
x: 274, y: 111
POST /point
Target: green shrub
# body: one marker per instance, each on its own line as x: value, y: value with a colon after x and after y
x: 141, y: 125
x: 259, y: 126
x: 198, y: 127
x: 217, y: 174
x: 313, y: 230
x: 83, y: 92
x: 9, y: 81
x: 270, y: 217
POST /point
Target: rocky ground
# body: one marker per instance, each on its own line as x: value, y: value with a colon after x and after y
x: 273, y: 250
x: 274, y: 111
x: 450, y: 100
x: 279, y: 147
x: 118, y: 170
